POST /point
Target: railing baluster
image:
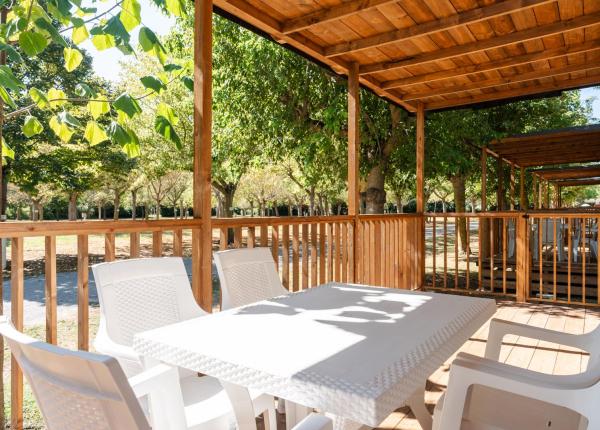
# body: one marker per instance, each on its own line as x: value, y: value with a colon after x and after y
x: 541, y: 223
x: 468, y: 251
x: 83, y: 332
x: 305, y: 256
x: 336, y: 252
x: 456, y: 245
x: 583, y: 260
x: 223, y: 238
x: 554, y: 268
x: 480, y: 240
x: 252, y: 237
x: 322, y: 254
x: 157, y: 243
x: 313, y: 255
x: 134, y: 244
x: 330, y: 251
x: 16, y: 311
x: 445, y: 252
x: 50, y: 289
x: 285, y: 251
x: 178, y: 242
x: 351, y: 243
x: 295, y: 257
x: 569, y: 258
x: 275, y: 244
x: 109, y: 247
x: 492, y: 251
x: 237, y: 237
x: 377, y: 263
x: 433, y: 250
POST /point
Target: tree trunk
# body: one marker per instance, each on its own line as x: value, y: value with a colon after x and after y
x: 399, y: 205
x: 18, y: 214
x: 458, y: 186
x: 375, y: 194
x: 443, y: 206
x: 72, y: 206
x: 276, y: 207
x: 133, y: 204
x: 117, y: 204
x: 157, y: 209
x: 99, y: 211
x: 311, y: 201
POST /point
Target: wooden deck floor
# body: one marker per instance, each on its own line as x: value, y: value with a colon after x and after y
x: 539, y: 356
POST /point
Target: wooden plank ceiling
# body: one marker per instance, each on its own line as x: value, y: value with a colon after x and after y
x: 567, y: 146
x: 443, y: 53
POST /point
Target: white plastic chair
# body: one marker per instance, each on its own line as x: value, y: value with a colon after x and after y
x: 485, y: 394
x: 247, y: 275
x: 78, y: 390
x: 143, y: 294
x: 482, y: 391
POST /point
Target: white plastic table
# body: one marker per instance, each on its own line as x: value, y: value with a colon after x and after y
x: 354, y: 351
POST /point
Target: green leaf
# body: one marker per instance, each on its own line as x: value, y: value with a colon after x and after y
x: 103, y: 41
x: 6, y: 98
x: 171, y: 67
x: 127, y: 104
x: 188, y: 82
x: 32, y: 126
x: 12, y: 53
x: 32, y: 43
x: 56, y: 97
x: 153, y: 83
x: 8, y: 79
x: 115, y: 27
x: 124, y: 137
x: 51, y: 30
x: 72, y: 58
x: 59, y: 8
x: 66, y: 118
x: 151, y: 45
x: 7, y: 152
x: 61, y: 129
x: 39, y: 98
x: 130, y: 14
x: 132, y: 150
x: 176, y: 7
x: 98, y: 107
x: 94, y: 133
x: 166, y: 130
x: 167, y: 112
x: 80, y: 34
x: 84, y: 90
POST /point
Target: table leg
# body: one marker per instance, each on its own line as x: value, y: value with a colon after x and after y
x: 416, y: 402
x: 242, y: 406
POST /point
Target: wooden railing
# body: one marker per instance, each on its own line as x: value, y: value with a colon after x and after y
x: 378, y: 250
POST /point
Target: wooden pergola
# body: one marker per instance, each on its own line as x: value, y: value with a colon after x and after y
x: 568, y: 146
x: 422, y: 55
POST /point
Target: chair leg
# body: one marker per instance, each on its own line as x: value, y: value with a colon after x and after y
x: 270, y: 419
x: 416, y: 402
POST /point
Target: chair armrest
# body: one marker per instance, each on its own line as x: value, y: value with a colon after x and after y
x: 314, y: 422
x: 130, y: 361
x: 570, y: 391
x: 500, y: 328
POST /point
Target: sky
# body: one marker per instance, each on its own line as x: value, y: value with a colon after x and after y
x: 107, y: 63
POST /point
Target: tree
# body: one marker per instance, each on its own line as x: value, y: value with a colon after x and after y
x: 181, y: 183
x: 443, y: 190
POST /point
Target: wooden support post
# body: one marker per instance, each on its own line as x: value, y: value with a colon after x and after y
x: 500, y: 187
x: 523, y: 196
x: 512, y: 188
x: 50, y: 289
x: 421, y: 193
x: 16, y: 310
x: 353, y: 154
x: 202, y: 237
x: 523, y: 258
x: 536, y: 202
x: 483, y: 180
x: 83, y: 299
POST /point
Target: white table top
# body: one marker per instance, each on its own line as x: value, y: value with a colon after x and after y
x: 355, y: 351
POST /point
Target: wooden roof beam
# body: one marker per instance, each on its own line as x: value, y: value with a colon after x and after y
x: 553, y: 160
x: 322, y: 16
x: 495, y: 82
x: 515, y: 93
x: 578, y: 183
x: 569, y: 172
x: 437, y: 25
x: 546, y: 54
x: 482, y: 45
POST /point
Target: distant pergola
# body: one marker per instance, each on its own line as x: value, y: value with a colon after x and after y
x: 422, y: 55
x: 567, y: 146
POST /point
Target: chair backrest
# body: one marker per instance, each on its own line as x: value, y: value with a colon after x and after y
x: 143, y: 294
x: 75, y: 390
x: 247, y: 275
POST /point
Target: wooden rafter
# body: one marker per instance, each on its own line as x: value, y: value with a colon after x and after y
x: 483, y: 45
x: 566, y: 173
x: 543, y: 55
x: 578, y: 183
x: 443, y: 24
x: 517, y: 92
x: 330, y: 14
x: 496, y: 82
